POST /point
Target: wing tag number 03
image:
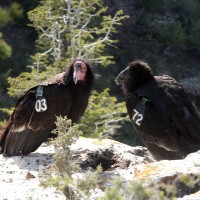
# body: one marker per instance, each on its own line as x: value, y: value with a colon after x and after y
x: 137, y: 117
x: 41, y: 105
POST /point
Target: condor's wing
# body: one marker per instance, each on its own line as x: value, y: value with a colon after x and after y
x: 13, y: 135
x: 183, y: 114
x: 170, y: 118
x: 21, y: 113
x: 29, y: 129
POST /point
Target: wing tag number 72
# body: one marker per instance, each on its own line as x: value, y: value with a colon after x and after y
x: 41, y: 105
x: 137, y: 117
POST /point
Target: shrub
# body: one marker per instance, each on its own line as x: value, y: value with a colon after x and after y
x: 60, y: 173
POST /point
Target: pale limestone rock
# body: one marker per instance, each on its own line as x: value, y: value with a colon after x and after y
x: 129, y: 163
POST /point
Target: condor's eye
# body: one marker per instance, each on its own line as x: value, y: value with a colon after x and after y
x: 83, y: 68
x: 77, y: 66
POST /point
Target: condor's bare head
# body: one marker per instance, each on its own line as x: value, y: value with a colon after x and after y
x: 135, y: 75
x: 79, y: 73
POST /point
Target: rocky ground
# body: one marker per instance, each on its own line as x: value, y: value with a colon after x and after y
x: 20, y: 176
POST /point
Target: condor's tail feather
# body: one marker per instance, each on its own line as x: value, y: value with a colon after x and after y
x: 24, y: 142
x: 160, y: 153
x: 4, y: 132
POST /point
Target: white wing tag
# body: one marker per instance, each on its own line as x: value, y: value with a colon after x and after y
x: 139, y: 112
x: 137, y: 117
x: 41, y: 102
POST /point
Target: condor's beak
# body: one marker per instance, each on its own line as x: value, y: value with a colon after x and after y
x: 75, y: 75
x: 120, y: 78
x: 80, y: 70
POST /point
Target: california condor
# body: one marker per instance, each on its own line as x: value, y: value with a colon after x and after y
x: 164, y: 117
x: 31, y: 123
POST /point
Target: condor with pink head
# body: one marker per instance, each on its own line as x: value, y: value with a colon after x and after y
x: 31, y: 123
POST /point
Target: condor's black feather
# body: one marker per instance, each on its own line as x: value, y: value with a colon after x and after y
x: 27, y: 129
x: 170, y: 125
